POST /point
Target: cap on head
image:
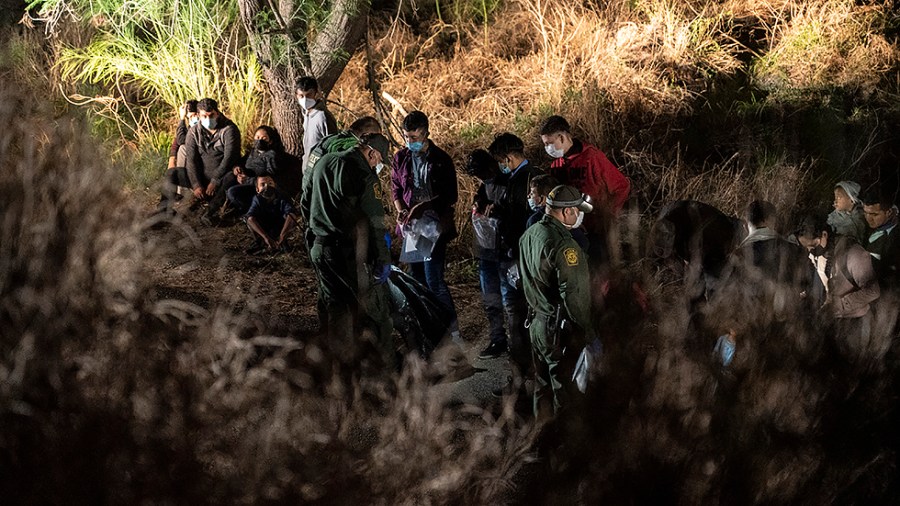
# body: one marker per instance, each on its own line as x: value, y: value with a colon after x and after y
x: 379, y: 143
x: 567, y: 196
x: 481, y: 164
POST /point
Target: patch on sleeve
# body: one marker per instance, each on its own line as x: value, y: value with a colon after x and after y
x: 311, y: 161
x: 571, y: 256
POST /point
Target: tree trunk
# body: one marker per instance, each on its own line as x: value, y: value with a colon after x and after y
x: 338, y: 40
x: 281, y: 42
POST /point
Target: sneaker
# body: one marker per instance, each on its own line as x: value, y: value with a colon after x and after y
x: 208, y: 220
x: 505, y: 390
x: 493, y: 350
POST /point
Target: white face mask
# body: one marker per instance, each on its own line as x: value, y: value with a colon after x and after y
x: 379, y: 168
x: 193, y: 121
x: 578, y: 221
x: 306, y: 103
x: 553, y: 151
x: 208, y: 123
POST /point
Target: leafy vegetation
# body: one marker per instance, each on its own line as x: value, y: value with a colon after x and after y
x: 113, y: 392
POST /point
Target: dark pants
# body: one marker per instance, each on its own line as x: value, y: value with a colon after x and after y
x: 271, y: 227
x: 218, y: 198
x: 352, y: 310
x: 554, y: 389
x: 240, y: 196
x: 503, y: 295
x: 173, y: 178
x: 855, y: 340
x: 431, y: 274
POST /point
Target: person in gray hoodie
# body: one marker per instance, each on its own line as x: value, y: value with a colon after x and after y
x: 213, y: 148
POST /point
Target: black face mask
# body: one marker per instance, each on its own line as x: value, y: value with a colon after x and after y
x: 818, y: 251
x: 261, y: 144
x: 268, y: 193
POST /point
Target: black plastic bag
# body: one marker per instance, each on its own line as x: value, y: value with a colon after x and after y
x: 419, y: 317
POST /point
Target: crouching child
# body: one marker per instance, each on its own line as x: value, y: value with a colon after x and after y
x: 271, y: 218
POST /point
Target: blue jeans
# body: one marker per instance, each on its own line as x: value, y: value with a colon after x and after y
x: 431, y: 274
x: 502, y: 295
x: 495, y: 292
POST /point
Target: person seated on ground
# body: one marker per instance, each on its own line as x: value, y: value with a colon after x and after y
x: 176, y: 176
x: 848, y: 218
x: 213, y: 149
x: 318, y: 122
x: 187, y: 117
x: 695, y: 239
x: 266, y: 158
x: 271, y: 218
x: 883, y: 243
x: 851, y: 282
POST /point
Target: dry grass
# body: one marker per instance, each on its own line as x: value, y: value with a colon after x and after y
x: 826, y: 44
x: 630, y: 76
x: 730, y: 186
x: 108, y: 394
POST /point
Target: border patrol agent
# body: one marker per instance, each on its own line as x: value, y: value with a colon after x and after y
x: 346, y: 218
x: 341, y: 141
x: 556, y: 282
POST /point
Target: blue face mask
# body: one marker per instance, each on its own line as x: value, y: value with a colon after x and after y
x: 505, y: 169
x: 415, y: 147
x: 533, y: 204
x: 208, y: 123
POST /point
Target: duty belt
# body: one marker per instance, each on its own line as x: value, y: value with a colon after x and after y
x: 331, y: 241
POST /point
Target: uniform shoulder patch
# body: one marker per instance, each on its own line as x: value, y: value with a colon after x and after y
x: 313, y: 158
x: 571, y: 256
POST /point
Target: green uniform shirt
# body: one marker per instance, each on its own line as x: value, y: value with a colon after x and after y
x: 341, y: 141
x: 554, y: 271
x: 343, y: 191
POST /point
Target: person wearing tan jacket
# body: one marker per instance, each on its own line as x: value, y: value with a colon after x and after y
x: 852, y: 286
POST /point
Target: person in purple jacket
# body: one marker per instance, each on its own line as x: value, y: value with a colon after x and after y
x: 423, y: 183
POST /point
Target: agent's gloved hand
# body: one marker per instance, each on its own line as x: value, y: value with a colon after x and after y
x: 382, y: 272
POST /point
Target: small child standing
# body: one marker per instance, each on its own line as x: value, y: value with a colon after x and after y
x: 848, y: 219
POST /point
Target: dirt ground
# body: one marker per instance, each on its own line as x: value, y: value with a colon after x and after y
x: 208, y: 266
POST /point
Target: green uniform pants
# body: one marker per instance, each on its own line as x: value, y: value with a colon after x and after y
x: 351, y: 311
x: 553, y: 386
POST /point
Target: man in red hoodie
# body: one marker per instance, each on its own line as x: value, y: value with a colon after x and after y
x: 579, y: 164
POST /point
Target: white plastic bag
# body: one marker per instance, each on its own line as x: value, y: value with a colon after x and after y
x: 588, y: 365
x: 419, y: 237
x: 485, y: 231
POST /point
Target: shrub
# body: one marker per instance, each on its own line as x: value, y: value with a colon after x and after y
x: 110, y: 394
x: 822, y: 45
